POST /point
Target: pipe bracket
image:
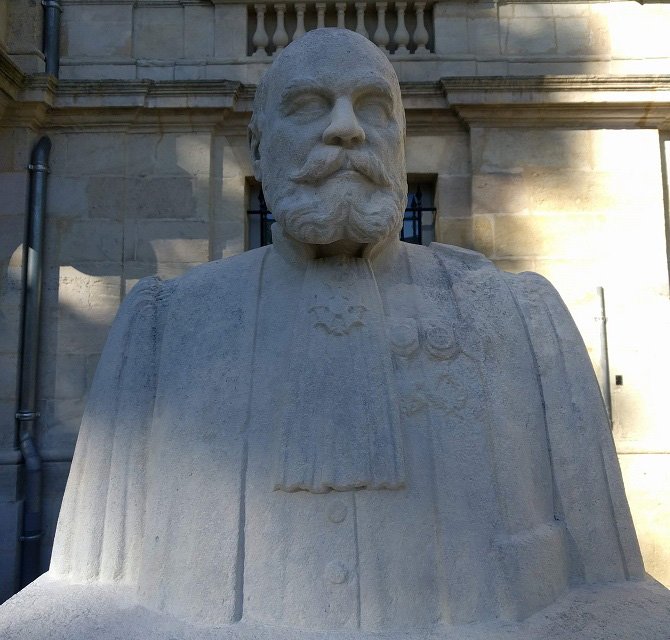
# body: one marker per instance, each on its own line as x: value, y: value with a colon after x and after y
x: 27, y: 416
x: 32, y: 536
x: 38, y: 167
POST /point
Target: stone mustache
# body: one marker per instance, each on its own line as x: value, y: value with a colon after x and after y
x: 341, y: 432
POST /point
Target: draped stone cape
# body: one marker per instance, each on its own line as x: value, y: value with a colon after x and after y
x: 513, y: 493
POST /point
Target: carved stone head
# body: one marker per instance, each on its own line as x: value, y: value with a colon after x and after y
x: 327, y: 140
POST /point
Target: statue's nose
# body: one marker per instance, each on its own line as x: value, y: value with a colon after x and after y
x: 344, y: 129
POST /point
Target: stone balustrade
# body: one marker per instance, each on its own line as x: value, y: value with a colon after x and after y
x: 398, y: 28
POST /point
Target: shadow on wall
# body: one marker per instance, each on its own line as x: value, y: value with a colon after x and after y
x: 117, y: 210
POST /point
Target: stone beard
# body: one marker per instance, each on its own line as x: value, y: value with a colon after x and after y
x: 315, y: 210
x: 342, y: 432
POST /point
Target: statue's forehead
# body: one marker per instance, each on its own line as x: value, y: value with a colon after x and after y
x: 330, y: 72
x: 332, y: 56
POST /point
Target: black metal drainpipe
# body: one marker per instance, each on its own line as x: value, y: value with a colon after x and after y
x: 51, y: 35
x: 26, y: 414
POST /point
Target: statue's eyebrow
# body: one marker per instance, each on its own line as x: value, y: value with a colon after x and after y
x: 296, y: 87
x: 378, y: 86
x: 361, y: 87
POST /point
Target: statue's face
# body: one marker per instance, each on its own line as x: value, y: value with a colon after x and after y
x: 331, y: 150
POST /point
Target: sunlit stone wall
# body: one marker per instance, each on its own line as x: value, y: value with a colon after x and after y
x: 585, y: 208
x: 153, y: 178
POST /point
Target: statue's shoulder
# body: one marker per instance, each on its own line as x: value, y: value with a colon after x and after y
x: 524, y: 283
x: 457, y: 260
x: 525, y: 287
x: 461, y: 259
x: 229, y: 274
x: 530, y: 286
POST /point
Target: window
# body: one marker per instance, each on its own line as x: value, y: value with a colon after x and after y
x: 419, y: 223
x: 259, y: 219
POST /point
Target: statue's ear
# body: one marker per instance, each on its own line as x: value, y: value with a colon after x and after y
x: 255, y: 150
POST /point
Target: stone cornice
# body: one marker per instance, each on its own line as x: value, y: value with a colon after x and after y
x: 575, y: 116
x: 576, y: 101
x: 12, y: 78
x: 105, y: 94
x: 563, y: 101
x: 31, y: 104
x: 558, y: 83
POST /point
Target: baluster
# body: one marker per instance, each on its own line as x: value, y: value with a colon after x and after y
x: 381, y: 37
x: 280, y: 38
x: 401, y: 36
x: 341, y: 7
x: 420, y: 33
x: 320, y: 15
x: 260, y: 39
x: 360, y: 19
x: 299, y: 21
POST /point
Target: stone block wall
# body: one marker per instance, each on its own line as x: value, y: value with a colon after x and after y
x: 14, y: 156
x: 121, y: 206
x: 149, y: 174
x: 172, y: 40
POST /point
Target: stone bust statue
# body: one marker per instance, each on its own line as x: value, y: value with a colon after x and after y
x: 342, y: 433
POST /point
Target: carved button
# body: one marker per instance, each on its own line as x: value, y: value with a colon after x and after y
x: 337, y: 511
x: 404, y: 336
x: 440, y: 342
x: 336, y: 572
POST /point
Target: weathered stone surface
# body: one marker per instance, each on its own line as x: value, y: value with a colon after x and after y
x: 172, y: 241
x: 570, y: 235
x: 95, y: 154
x: 163, y: 197
x: 10, y: 515
x: 453, y: 196
x: 13, y: 187
x: 199, y: 32
x: 527, y: 36
x: 68, y: 197
x: 7, y: 375
x: 648, y: 475
x: 451, y: 28
x: 484, y: 35
x: 106, y: 197
x: 91, y: 241
x: 500, y: 193
x: 457, y: 231
x: 574, y: 36
x: 7, y: 414
x: 158, y: 32
x: 390, y: 436
x: 91, y: 30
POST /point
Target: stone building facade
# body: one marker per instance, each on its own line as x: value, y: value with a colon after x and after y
x: 542, y: 130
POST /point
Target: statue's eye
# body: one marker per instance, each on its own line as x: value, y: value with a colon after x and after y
x: 374, y: 109
x: 308, y: 106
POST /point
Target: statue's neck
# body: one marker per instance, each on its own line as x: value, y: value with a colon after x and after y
x: 299, y: 252
x: 339, y: 248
